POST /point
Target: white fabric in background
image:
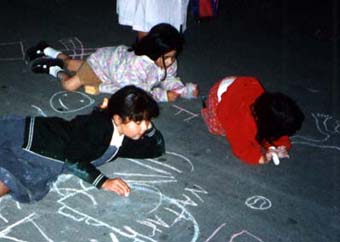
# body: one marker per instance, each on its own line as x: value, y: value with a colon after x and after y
x: 142, y: 15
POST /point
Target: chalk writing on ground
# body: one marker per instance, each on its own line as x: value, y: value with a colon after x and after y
x: 328, y: 133
x: 152, y: 212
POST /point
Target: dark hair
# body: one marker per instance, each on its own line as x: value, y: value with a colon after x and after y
x: 276, y: 115
x: 132, y: 103
x: 161, y: 39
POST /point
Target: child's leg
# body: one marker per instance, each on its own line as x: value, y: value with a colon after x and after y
x: 3, y: 189
x: 70, y: 64
x: 84, y: 76
x: 43, y: 49
x: 57, y: 67
x: 69, y: 83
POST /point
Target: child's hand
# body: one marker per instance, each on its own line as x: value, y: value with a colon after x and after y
x: 263, y: 160
x: 280, y: 151
x: 105, y: 103
x: 116, y: 185
x: 189, y: 91
x: 196, y: 91
x: 172, y: 96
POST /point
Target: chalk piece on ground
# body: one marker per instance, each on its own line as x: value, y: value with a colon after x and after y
x: 91, y: 90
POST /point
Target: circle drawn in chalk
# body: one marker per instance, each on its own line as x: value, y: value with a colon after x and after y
x: 258, y: 203
x: 67, y: 102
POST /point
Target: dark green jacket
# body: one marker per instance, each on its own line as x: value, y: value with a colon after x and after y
x: 84, y: 139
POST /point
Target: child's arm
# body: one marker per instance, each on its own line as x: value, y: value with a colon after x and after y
x: 244, y: 148
x: 86, y: 171
x: 173, y: 84
x: 89, y: 173
x: 85, y: 145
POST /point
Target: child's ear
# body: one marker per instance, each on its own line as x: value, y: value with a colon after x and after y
x: 159, y: 61
x: 117, y: 119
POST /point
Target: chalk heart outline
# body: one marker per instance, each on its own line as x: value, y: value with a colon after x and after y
x: 258, y: 202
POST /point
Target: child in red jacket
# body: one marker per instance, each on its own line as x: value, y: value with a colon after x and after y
x: 252, y: 119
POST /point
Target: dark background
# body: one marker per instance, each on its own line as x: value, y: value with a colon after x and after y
x: 291, y: 46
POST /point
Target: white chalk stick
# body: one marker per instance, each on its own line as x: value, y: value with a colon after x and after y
x: 275, y: 157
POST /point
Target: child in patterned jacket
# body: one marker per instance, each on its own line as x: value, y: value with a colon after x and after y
x: 149, y: 64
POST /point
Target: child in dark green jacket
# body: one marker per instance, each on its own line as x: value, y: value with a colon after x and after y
x: 35, y: 150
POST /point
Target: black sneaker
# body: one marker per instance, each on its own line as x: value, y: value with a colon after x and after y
x: 42, y: 65
x: 36, y: 51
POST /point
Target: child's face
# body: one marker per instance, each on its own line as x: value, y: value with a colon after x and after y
x: 132, y: 129
x: 135, y: 129
x: 169, y: 59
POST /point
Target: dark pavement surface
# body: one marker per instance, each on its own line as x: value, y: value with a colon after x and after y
x: 198, y: 191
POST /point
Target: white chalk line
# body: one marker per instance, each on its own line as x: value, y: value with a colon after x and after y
x: 215, y: 232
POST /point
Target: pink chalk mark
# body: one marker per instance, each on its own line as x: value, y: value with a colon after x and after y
x: 180, y: 110
x: 244, y: 232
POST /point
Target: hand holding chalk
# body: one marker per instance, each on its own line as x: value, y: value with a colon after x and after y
x: 275, y: 157
x: 117, y: 185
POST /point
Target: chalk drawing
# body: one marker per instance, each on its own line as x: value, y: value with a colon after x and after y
x: 6, y: 233
x: 258, y: 203
x: 312, y: 90
x: 215, y: 232
x: 6, y: 50
x: 151, y: 211
x: 154, y: 221
x: 328, y: 130
x: 162, y: 172
x: 246, y: 236
x: 113, y: 237
x: 68, y: 102
x: 185, y: 111
x: 40, y: 111
x: 74, y: 48
x: 159, y: 206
